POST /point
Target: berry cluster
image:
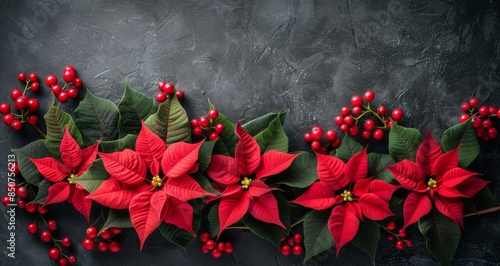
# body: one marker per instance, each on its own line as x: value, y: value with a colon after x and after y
x: 401, y: 236
x: 167, y: 89
x: 63, y: 93
x: 206, y: 123
x: 481, y: 118
x: 292, y: 244
x: 214, y: 248
x: 104, y: 242
x: 316, y: 134
x: 26, y: 106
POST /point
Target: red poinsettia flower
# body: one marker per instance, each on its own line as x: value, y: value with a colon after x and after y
x: 360, y: 195
x: 244, y: 177
x: 75, y: 161
x: 152, y: 197
x: 435, y: 175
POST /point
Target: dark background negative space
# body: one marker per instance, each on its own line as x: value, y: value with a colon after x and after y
x: 252, y: 57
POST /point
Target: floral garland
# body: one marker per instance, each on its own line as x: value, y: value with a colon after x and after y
x: 150, y: 167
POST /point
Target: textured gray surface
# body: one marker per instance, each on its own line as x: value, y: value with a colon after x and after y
x: 254, y: 57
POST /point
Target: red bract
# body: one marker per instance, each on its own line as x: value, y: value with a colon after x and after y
x: 244, y: 177
x: 152, y: 197
x: 439, y: 174
x: 75, y: 161
x: 360, y: 196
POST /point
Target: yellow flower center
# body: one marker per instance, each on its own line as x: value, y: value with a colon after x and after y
x: 245, y: 183
x: 431, y: 184
x: 347, y: 195
x: 156, y: 182
x: 71, y: 177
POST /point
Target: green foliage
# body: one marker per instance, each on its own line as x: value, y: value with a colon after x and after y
x: 134, y: 107
x: 403, y: 142
x: 462, y: 135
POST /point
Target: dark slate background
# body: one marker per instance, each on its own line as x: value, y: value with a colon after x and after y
x: 251, y: 57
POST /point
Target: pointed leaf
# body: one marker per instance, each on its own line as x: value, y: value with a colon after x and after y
x: 127, y: 142
x: 43, y: 192
x: 403, y: 142
x: 318, y: 196
x: 118, y: 218
x: 317, y: 237
x: 205, y: 155
x: 378, y: 166
x: 274, y: 162
x: 416, y: 205
x: 265, y: 208
x: 410, y: 175
x: 51, y: 169
x: 71, y: 154
x: 382, y: 189
x: 428, y: 152
x: 57, y: 121
x: 180, y: 214
x: 149, y: 146
x: 374, y: 207
x: 348, y: 148
x: 367, y: 238
x: 442, y: 236
x: 343, y: 225
x: 113, y: 194
x: 462, y: 135
x: 184, y: 188
x: 331, y: 171
x: 452, y: 208
x: 82, y: 204
x: 179, y: 158
x: 463, y: 181
x: 247, y: 154
x: 58, y: 192
x: 89, y: 154
x: 223, y: 170
x: 93, y: 177
x: 180, y: 237
x: 126, y: 166
x: 143, y: 215
x: 444, y: 163
x: 258, y: 188
x: 357, y: 167
x: 260, y: 124
x: 35, y: 149
x: 273, y: 137
x: 213, y: 220
x: 134, y: 107
x: 99, y: 117
x: 232, y: 208
x: 300, y: 174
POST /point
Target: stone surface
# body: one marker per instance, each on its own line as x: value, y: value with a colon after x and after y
x: 251, y: 57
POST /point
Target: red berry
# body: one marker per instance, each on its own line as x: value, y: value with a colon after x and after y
x: 180, y: 95
x: 219, y: 128
x: 16, y: 125
x: 52, y: 225
x: 336, y: 143
x: 290, y: 242
x: 62, y: 262
x: 366, y: 134
x: 56, y: 89
x: 42, y: 209
x: 21, y: 204
x: 391, y: 225
x: 161, y: 85
x: 400, y: 244
x: 33, y: 105
x: 105, y: 234
x: 69, y: 68
x: 378, y: 134
x: 69, y: 76
x: 390, y: 237
x: 73, y: 93
x: 66, y: 242
x: 285, y: 250
x: 72, y: 259
x: 22, y: 192
x: 213, y: 135
x: 308, y: 138
x: 77, y: 83
x: 168, y: 88
x: 484, y: 111
x: 316, y: 132
x: 32, y: 228
x: 31, y: 207
x: 91, y: 232
x: 8, y: 119
x: 473, y: 102
x: 6, y: 200
x: 46, y: 236
x: 216, y: 253
x: 229, y: 248
x: 356, y: 100
x: 15, y: 93
x: 33, y: 77
x: 210, y: 244
x: 213, y: 114
x: 349, y: 120
x: 492, y: 133
x: 369, y: 124
x: 102, y: 246
x: 356, y: 110
x: 315, y: 145
x: 116, y: 230
x: 54, y: 253
x: 487, y: 124
x: 493, y: 110
x: 409, y: 243
x: 63, y: 96
x: 345, y: 111
x: 338, y: 120
x: 114, y: 246
x: 221, y: 246
x: 21, y: 77
x: 382, y: 110
x: 397, y: 114
x: 297, y: 249
x: 35, y: 86
x: 197, y: 132
x: 354, y: 130
x: 369, y: 96
x: 476, y: 122
x: 195, y: 122
x: 323, y: 150
x: 465, y: 107
x: 204, y: 237
x: 344, y: 128
x: 88, y: 244
x: 4, y: 108
x: 161, y: 97
x: 331, y: 135
x: 498, y: 112
x: 402, y: 233
x: 463, y: 118
x: 51, y: 80
x: 204, y: 121
x: 204, y: 249
x: 297, y: 238
x: 21, y: 102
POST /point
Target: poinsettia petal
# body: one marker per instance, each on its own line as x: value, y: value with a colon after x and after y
x: 144, y: 217
x: 82, y: 204
x: 357, y: 167
x: 343, y: 225
x: 382, y: 189
x: 274, y: 162
x: 71, y: 154
x: 410, y: 175
x: 357, y: 208
x: 126, y: 166
x: 331, y: 170
x: 179, y: 158
x: 57, y: 193
x: 180, y: 214
x: 374, y: 207
x: 416, y: 205
x: 232, y: 208
x: 231, y: 189
x: 51, y: 169
x: 247, y: 154
x: 318, y: 196
x: 428, y: 152
x: 258, y: 188
x: 88, y: 156
x: 452, y: 208
x: 265, y: 208
x: 444, y: 163
x: 113, y: 194
x: 154, y: 168
x: 223, y: 170
x: 184, y: 188
x: 362, y: 186
x: 463, y: 181
x: 149, y: 146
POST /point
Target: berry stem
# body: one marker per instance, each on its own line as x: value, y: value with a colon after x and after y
x: 296, y: 223
x: 39, y: 131
x: 494, y: 209
x: 239, y: 227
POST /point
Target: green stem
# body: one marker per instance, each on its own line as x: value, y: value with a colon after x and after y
x: 238, y: 227
x: 296, y: 223
x: 39, y: 131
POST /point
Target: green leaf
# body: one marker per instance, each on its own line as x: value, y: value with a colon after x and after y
x: 180, y: 237
x: 204, y: 183
x: 317, y: 237
x: 367, y: 238
x: 29, y: 172
x: 43, y: 192
x: 93, y: 177
x: 378, y: 166
x: 259, y: 124
x: 213, y: 220
x: 301, y: 173
x: 462, y: 135
x: 403, y: 142
x: 271, y: 232
x: 273, y: 137
x: 484, y: 199
x: 134, y: 108
x: 171, y: 122
x: 205, y: 155
x: 226, y: 143
x: 348, y: 148
x: 441, y: 235
x: 99, y: 118
x: 57, y: 120
x: 127, y: 142
x: 118, y: 218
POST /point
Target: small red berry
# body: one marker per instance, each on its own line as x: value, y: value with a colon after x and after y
x: 15, y: 93
x: 16, y: 125
x: 197, y: 132
x: 161, y: 85
x: 114, y: 246
x: 33, y: 105
x: 331, y: 135
x: 52, y: 225
x: 105, y: 234
x: 315, y: 145
x: 290, y: 242
x: 487, y: 124
x: 369, y: 124
x: 345, y: 111
x: 21, y: 204
x: 195, y: 122
x: 221, y: 246
x: 369, y: 96
x: 88, y: 244
x: 62, y: 262
x: 356, y: 110
x: 161, y: 97
x: 465, y: 107
x: 116, y: 230
x: 4, y: 108
x: 32, y: 228
x: 323, y: 150
x: 484, y: 111
x: 180, y: 95
x: 366, y: 134
x: 297, y: 238
x: 77, y: 83
x: 216, y: 253
x: 219, y: 128
x: 54, y: 253
x: 41, y: 209
x: 204, y: 237
x: 21, y: 102
x: 63, y: 96
x: 344, y: 128
x: 33, y: 77
x: 72, y: 259
x: 409, y: 243
x: 349, y: 120
x: 204, y: 249
x: 35, y: 86
x: 91, y: 232
x: 476, y: 122
x: 69, y: 76
x: 308, y: 138
x: 356, y: 100
x: 378, y: 134
x: 354, y: 130
x: 22, y: 192
x: 46, y: 236
x: 210, y: 244
x: 56, y: 89
x: 297, y: 250
x: 31, y: 207
x: 102, y: 246
x: 473, y: 102
x: 390, y: 237
x: 51, y: 80
x: 316, y: 132
x: 382, y: 110
x: 204, y: 121
x: 498, y: 112
x: 338, y: 120
x: 391, y: 225
x: 213, y: 114
x: 463, y: 118
x: 229, y: 248
x: 69, y: 68
x: 402, y: 233
x: 66, y: 242
x: 285, y: 250
x: 336, y: 143
x: 168, y: 88
x: 21, y: 77
x: 73, y: 93
x: 400, y: 244
x: 493, y: 110
x: 397, y: 114
x: 213, y: 135
x: 492, y: 133
x: 8, y: 119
